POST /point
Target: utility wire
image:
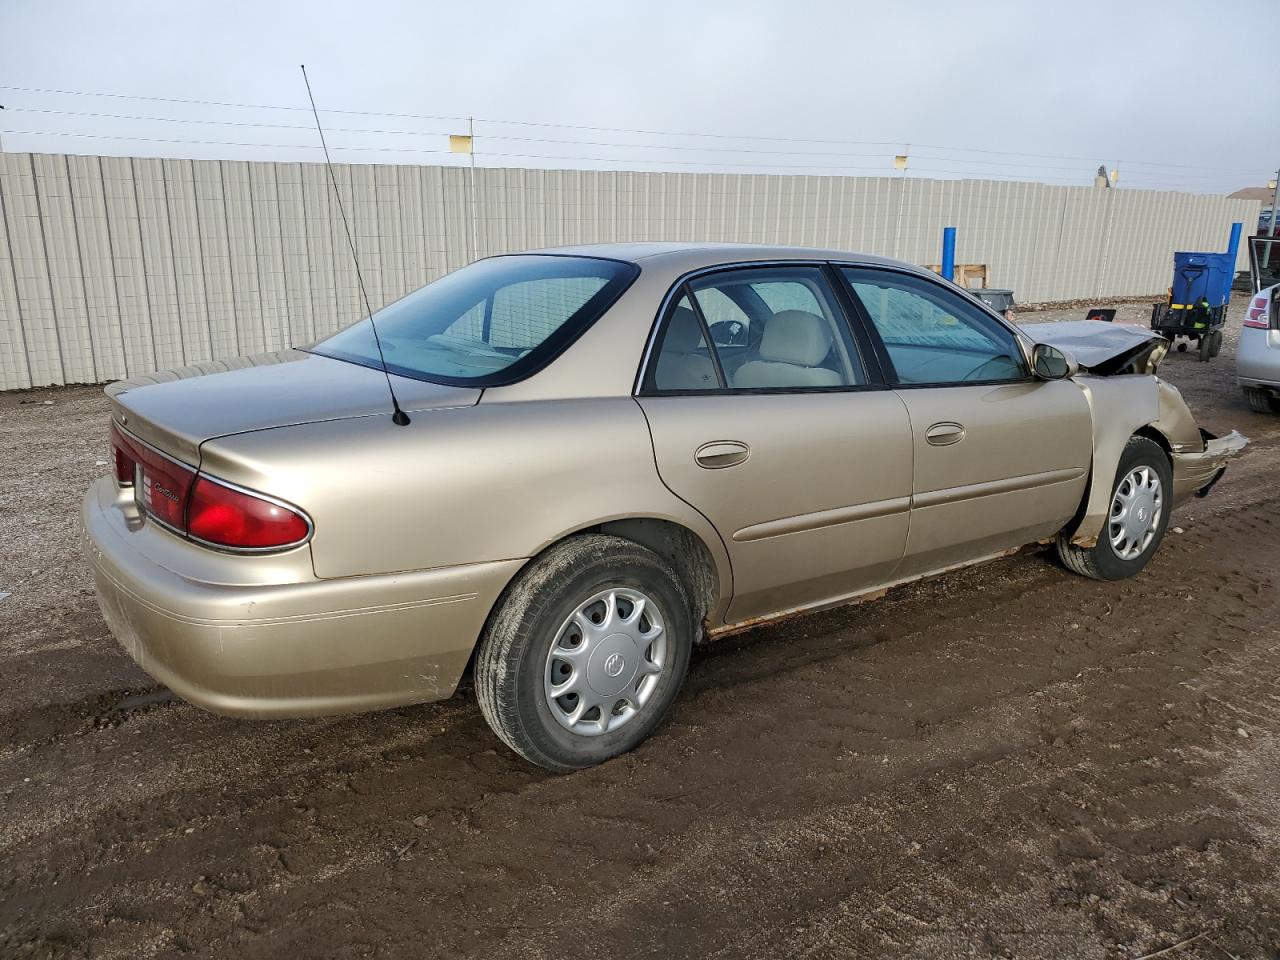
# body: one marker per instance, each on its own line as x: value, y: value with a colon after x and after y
x: 665, y: 162
x: 432, y: 133
x: 565, y: 126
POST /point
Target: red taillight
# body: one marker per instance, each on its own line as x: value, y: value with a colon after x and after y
x: 124, y: 464
x: 230, y: 517
x: 1258, y: 310
x: 160, y: 484
x: 200, y: 507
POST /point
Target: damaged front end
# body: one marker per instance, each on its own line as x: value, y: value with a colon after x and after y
x: 1101, y: 348
x: 1125, y: 407
x: 1198, y: 472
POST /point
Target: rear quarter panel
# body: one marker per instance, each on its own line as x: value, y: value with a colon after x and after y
x: 1258, y: 357
x: 497, y: 481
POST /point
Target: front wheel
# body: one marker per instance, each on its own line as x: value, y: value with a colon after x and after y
x: 1136, y: 520
x: 585, y: 652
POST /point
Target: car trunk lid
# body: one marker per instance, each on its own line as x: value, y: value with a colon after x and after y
x: 176, y: 411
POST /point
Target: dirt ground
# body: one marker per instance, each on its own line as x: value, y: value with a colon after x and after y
x: 1009, y: 761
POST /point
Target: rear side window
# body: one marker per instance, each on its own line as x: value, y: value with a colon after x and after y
x: 755, y: 329
x: 495, y: 321
x: 684, y: 362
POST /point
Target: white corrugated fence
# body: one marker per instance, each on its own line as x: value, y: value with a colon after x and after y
x: 111, y: 267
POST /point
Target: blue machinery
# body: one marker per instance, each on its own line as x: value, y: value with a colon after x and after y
x: 1198, y: 298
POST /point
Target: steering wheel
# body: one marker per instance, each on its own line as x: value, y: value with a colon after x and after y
x: 729, y: 333
x: 977, y: 374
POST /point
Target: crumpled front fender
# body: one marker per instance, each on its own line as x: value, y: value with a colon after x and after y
x: 1120, y: 406
x: 1126, y: 405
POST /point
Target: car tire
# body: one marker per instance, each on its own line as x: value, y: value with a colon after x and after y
x: 544, y: 632
x: 1260, y: 401
x: 1106, y: 560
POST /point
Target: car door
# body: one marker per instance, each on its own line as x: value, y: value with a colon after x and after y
x: 1000, y: 458
x: 767, y: 419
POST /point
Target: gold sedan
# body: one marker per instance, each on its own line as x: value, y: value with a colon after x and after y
x: 605, y: 454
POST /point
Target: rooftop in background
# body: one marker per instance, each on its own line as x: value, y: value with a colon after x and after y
x: 1261, y: 194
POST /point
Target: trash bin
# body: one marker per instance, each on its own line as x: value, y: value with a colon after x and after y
x: 997, y: 300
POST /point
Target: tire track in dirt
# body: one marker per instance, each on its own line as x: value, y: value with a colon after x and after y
x: 752, y: 868
x: 971, y: 749
x: 1063, y: 753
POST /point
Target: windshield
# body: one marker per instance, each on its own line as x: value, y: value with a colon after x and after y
x: 493, y: 322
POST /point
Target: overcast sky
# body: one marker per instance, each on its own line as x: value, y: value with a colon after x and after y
x: 1165, y: 91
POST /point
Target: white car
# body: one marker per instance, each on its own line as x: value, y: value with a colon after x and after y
x: 1258, y: 356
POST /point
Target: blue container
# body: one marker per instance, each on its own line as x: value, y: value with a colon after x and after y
x: 1197, y: 275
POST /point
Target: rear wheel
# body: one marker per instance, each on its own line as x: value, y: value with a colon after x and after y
x: 1137, y: 518
x: 585, y: 653
x: 1205, y: 347
x: 1215, y: 343
x: 1260, y: 401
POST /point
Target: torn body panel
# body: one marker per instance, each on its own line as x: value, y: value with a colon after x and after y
x: 1120, y: 406
x: 1128, y: 405
x: 1118, y: 364
x: 1199, y: 458
x: 1197, y: 472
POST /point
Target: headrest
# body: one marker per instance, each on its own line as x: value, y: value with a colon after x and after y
x: 684, y: 332
x: 796, y: 336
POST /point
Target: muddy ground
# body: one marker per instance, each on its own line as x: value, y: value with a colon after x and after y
x: 1007, y: 761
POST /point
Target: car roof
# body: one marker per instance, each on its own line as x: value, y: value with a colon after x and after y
x: 683, y: 256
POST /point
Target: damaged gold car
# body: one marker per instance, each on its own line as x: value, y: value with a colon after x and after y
x: 606, y: 453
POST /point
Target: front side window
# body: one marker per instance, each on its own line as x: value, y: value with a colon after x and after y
x: 769, y: 328
x: 492, y: 322
x: 933, y: 335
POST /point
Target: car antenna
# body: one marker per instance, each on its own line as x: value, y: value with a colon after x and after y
x: 398, y: 416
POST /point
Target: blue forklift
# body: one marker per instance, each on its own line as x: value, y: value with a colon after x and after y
x: 1196, y: 308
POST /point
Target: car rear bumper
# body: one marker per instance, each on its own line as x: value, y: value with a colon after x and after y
x: 1258, y: 358
x: 308, y: 648
x: 1196, y: 473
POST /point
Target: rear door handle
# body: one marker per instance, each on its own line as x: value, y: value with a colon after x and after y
x: 945, y: 433
x: 719, y: 454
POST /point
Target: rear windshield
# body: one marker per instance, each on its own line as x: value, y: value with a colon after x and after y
x: 493, y: 322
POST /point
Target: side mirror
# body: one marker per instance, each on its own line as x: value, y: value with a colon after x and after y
x: 1050, y: 363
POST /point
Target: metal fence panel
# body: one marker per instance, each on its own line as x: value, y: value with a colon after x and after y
x: 29, y: 267
x: 110, y: 267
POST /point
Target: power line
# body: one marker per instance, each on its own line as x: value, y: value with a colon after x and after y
x: 210, y: 143
x: 603, y: 129
x: 220, y: 123
x: 527, y: 156
x: 487, y: 153
x: 219, y: 103
x: 431, y: 133
x: 734, y: 165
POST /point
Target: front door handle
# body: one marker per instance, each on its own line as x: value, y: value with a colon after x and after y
x: 945, y: 433
x: 719, y: 454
